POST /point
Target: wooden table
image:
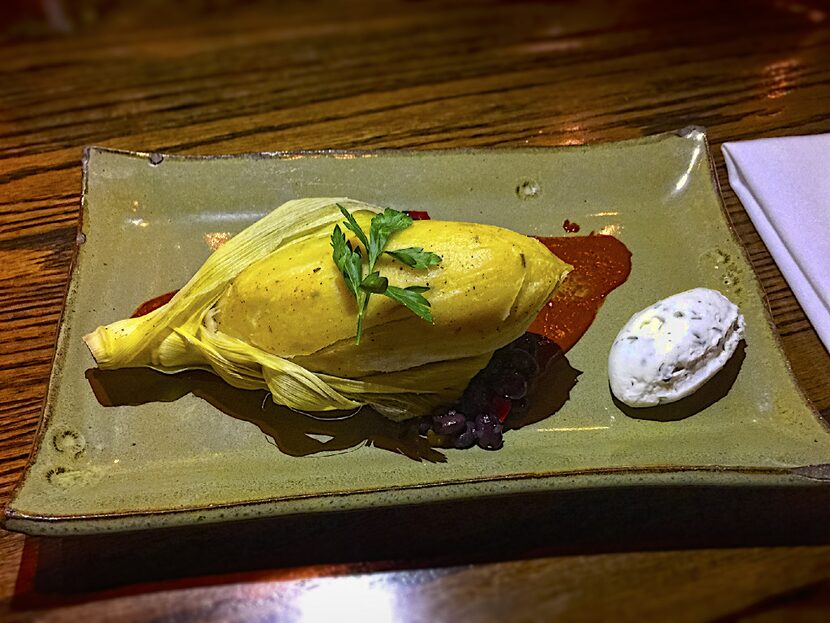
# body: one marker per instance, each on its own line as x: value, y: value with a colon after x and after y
x: 222, y: 77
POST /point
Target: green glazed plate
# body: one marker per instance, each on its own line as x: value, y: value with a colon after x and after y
x: 127, y: 450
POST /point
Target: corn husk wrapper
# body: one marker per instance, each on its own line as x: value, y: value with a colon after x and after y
x: 270, y: 310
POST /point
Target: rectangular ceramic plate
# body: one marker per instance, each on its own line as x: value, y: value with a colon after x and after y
x: 167, y: 457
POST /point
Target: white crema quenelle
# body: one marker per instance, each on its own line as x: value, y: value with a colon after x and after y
x: 670, y: 349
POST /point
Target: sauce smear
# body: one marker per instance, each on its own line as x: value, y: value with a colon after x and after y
x: 600, y: 264
x: 153, y: 304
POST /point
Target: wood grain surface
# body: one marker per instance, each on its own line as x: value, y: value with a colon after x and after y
x: 210, y: 77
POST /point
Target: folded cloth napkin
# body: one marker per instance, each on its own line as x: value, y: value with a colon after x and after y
x: 784, y: 184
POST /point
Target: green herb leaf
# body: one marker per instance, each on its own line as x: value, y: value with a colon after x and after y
x: 412, y: 299
x: 384, y: 225
x: 348, y: 260
x: 374, y: 283
x: 415, y: 257
x: 352, y: 225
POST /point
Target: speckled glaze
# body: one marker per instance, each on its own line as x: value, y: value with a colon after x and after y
x: 179, y: 450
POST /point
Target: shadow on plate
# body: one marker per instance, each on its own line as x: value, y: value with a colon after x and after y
x: 299, y: 434
x: 295, y: 434
x: 713, y: 390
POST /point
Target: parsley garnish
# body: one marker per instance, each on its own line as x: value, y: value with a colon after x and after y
x: 363, y: 283
x: 415, y: 257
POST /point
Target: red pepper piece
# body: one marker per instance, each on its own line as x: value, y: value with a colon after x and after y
x: 500, y: 407
x: 418, y: 215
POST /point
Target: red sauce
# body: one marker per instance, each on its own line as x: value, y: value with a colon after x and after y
x: 153, y: 304
x: 601, y: 263
x: 569, y: 227
x: 418, y: 215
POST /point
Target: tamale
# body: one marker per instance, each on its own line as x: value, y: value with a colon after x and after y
x: 270, y: 309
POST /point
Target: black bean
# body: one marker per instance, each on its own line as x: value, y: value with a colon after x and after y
x: 528, y: 342
x: 506, y: 380
x: 488, y: 432
x: 511, y: 385
x: 493, y: 369
x: 466, y: 439
x: 548, y: 351
x: 476, y: 397
x: 519, y: 360
x: 451, y: 423
x: 485, y: 420
x: 490, y: 437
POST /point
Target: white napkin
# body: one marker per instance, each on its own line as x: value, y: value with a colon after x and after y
x: 784, y: 184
